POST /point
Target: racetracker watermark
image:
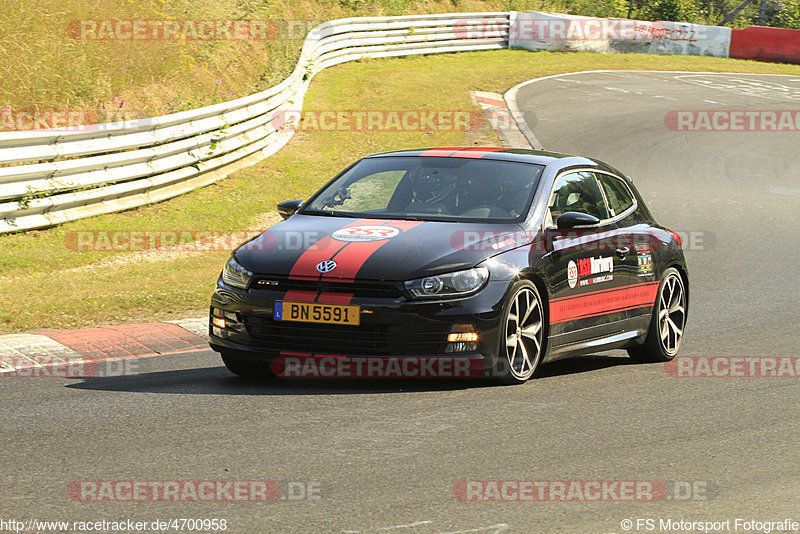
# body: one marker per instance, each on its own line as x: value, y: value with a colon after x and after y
x: 193, y: 524
x: 52, y: 367
x: 173, y: 491
x: 586, y: 240
x: 732, y: 120
x: 582, y: 490
x: 377, y: 120
x: 67, y: 120
x: 173, y: 30
x: 557, y: 29
x: 733, y: 367
x: 192, y: 491
x: 477, y: 240
x: 164, y: 240
x: 302, y: 366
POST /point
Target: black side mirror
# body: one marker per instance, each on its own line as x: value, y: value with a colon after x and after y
x: 288, y: 208
x: 571, y: 219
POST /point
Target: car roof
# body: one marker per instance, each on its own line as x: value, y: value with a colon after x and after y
x: 520, y: 155
x: 496, y: 153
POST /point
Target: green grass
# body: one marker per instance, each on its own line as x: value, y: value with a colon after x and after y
x: 46, y: 284
x: 45, y: 68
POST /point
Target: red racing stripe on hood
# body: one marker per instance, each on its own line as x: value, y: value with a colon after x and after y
x: 305, y: 268
x: 351, y: 258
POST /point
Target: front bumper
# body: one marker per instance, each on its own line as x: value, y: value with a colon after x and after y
x: 392, y: 327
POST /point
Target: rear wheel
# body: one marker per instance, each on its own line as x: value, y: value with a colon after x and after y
x: 665, y: 333
x: 246, y: 367
x: 522, y: 331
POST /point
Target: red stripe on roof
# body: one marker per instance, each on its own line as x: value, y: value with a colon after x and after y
x: 476, y: 153
x: 441, y: 152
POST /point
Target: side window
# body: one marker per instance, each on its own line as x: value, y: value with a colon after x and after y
x: 617, y: 192
x: 578, y: 191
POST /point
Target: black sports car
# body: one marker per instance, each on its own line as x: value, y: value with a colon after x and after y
x: 453, y: 262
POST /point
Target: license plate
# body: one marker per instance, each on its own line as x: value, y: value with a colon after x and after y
x: 315, y: 312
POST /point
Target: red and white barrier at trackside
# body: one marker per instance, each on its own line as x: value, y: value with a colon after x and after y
x: 766, y: 44
x: 556, y: 32
x: 533, y: 30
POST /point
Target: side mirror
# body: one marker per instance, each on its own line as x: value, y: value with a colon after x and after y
x: 571, y: 219
x: 288, y: 208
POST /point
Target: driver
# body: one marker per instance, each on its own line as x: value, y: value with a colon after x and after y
x: 432, y: 191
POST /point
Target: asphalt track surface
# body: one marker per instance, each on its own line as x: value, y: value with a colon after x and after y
x: 385, y: 456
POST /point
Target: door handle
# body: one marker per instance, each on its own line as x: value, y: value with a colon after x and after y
x: 622, y: 252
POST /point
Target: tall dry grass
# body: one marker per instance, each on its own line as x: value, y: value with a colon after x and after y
x: 44, y: 69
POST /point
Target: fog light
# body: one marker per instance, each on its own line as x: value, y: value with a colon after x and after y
x: 462, y: 336
x: 218, y: 321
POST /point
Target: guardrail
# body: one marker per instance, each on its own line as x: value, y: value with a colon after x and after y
x: 48, y: 177
x: 117, y: 166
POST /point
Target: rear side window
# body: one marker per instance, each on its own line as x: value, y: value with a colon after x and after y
x: 617, y: 192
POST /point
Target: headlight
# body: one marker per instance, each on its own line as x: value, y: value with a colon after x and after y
x: 235, y: 275
x: 457, y: 284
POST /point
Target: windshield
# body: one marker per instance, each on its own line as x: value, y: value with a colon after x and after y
x: 428, y: 188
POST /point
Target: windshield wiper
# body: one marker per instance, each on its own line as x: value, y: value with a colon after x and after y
x: 329, y: 213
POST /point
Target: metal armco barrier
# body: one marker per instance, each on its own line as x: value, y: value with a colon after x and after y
x: 48, y: 177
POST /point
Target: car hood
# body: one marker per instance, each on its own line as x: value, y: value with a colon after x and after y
x: 372, y: 249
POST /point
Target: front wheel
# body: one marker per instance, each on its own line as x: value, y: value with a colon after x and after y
x: 244, y: 367
x: 665, y: 333
x: 522, y: 334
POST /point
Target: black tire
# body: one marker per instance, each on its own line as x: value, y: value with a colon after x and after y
x: 665, y: 333
x: 246, y: 367
x: 519, y: 353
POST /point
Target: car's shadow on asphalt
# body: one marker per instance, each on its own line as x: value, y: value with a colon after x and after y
x: 219, y: 381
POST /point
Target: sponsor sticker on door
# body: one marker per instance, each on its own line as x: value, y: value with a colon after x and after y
x: 583, y: 272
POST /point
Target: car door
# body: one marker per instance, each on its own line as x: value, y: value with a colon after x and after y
x: 636, y: 238
x: 588, y: 267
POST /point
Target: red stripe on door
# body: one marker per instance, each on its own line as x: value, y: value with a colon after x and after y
x: 597, y: 291
x: 601, y: 302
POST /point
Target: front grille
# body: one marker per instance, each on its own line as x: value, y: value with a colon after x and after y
x: 359, y: 288
x: 362, y: 340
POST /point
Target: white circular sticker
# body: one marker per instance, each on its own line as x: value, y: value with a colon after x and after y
x: 572, y: 274
x: 365, y: 233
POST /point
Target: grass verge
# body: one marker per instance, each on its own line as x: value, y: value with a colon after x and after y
x: 46, y: 283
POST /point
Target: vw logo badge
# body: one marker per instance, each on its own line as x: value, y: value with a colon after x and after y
x: 326, y: 266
